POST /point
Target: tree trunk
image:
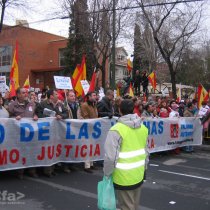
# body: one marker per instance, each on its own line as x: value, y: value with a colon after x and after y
x: 173, y: 79
x: 103, y: 73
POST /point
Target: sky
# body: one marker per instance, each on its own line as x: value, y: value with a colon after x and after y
x: 47, y: 9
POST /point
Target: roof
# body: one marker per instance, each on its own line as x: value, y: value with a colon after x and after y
x: 121, y: 48
x: 7, y: 27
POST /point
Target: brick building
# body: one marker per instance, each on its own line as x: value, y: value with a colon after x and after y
x: 40, y: 54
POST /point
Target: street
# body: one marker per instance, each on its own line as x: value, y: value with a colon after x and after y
x: 173, y: 182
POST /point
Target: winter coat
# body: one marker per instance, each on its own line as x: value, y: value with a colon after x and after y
x: 105, y: 108
x: 58, y: 108
x: 89, y: 110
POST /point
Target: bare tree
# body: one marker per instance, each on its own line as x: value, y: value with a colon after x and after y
x: 23, y: 5
x: 100, y: 13
x: 173, y: 26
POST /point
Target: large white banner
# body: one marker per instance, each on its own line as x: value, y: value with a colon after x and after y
x: 28, y: 143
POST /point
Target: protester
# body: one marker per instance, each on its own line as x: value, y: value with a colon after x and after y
x: 51, y: 107
x: 149, y: 109
x: 174, y: 110
x: 195, y: 105
x: 72, y: 107
x: 145, y: 82
x: 203, y: 109
x: 117, y: 103
x: 137, y: 83
x: 189, y: 113
x: 105, y: 106
x: 128, y: 80
x: 71, y: 104
x: 89, y: 111
x: 3, y: 112
x: 6, y: 100
x: 137, y: 104
x: 181, y: 108
x: 163, y: 109
x: 22, y: 108
x: 126, y: 160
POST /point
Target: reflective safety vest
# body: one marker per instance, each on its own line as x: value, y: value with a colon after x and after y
x: 130, y: 165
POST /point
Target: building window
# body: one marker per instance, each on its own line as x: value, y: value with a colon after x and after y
x: 62, y: 57
x: 5, y: 56
x: 120, y: 57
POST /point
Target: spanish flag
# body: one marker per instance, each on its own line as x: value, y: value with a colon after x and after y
x: 152, y: 79
x: 75, y: 74
x: 179, y: 96
x: 81, y: 76
x: 130, y: 91
x: 203, y: 95
x: 129, y: 65
x: 27, y: 83
x: 93, y: 82
x: 14, y: 73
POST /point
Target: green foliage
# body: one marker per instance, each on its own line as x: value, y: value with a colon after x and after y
x: 80, y: 39
x: 194, y: 68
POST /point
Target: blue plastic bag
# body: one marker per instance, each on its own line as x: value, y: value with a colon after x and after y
x: 106, y: 194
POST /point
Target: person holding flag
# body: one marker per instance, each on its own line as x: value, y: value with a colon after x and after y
x: 145, y: 82
x: 137, y: 83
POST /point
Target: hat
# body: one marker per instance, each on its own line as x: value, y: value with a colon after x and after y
x: 174, y: 106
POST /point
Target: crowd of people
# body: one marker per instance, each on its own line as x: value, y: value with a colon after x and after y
x: 65, y: 105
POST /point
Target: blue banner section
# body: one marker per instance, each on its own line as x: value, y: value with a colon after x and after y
x: 28, y: 143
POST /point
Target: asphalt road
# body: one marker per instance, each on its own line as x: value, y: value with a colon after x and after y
x: 179, y: 182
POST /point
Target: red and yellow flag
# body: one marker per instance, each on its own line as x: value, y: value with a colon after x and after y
x: 14, y: 73
x: 130, y: 91
x: 75, y: 74
x: 152, y: 79
x: 118, y: 91
x: 93, y: 82
x: 129, y: 65
x: 179, y: 94
x: 203, y: 95
x: 27, y: 83
x: 81, y: 76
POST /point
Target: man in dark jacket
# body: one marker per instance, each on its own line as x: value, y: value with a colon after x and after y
x: 137, y: 82
x: 128, y: 81
x: 105, y: 106
x: 51, y: 107
x: 145, y: 82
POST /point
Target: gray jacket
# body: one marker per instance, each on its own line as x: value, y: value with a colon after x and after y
x: 114, y: 140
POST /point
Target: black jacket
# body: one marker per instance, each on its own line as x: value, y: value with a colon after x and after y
x: 59, y: 109
x: 105, y: 108
x: 137, y: 80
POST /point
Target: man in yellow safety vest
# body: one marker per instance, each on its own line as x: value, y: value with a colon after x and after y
x: 126, y: 156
